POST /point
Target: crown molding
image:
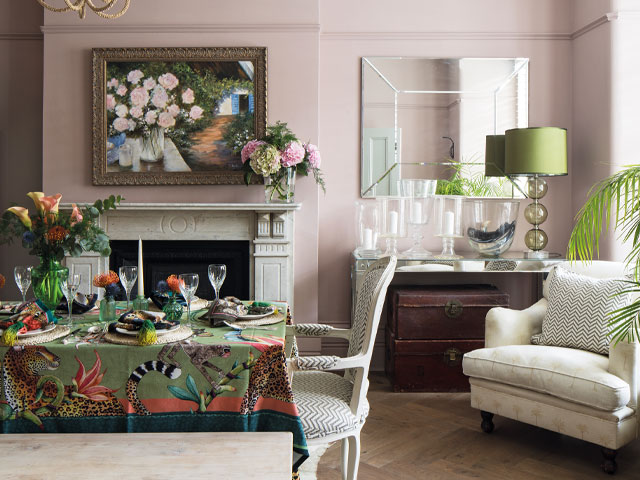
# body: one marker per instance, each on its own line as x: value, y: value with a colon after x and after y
x: 404, y: 36
x: 203, y: 28
x: 21, y: 36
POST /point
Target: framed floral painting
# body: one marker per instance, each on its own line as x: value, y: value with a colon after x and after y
x: 170, y: 116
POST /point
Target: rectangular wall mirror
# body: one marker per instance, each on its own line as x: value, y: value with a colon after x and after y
x: 428, y: 117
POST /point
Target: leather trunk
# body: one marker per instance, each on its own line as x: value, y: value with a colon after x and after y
x: 430, y: 328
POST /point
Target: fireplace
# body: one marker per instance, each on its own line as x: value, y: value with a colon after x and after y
x: 165, y: 257
x: 265, y: 233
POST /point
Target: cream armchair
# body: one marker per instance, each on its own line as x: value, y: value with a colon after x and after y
x: 578, y: 393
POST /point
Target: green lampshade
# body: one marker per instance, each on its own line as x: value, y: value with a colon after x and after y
x: 536, y: 151
x: 494, y: 156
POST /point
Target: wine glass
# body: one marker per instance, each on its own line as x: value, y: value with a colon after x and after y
x: 22, y: 276
x: 217, y: 274
x: 69, y: 287
x: 128, y: 276
x: 188, y: 286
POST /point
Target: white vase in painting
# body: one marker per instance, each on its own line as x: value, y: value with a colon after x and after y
x: 153, y: 145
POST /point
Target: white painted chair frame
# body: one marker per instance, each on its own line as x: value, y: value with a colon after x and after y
x: 356, y: 364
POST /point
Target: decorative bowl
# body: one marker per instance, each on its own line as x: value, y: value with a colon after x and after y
x: 490, y: 224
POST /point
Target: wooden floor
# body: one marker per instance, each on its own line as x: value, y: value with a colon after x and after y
x: 438, y: 436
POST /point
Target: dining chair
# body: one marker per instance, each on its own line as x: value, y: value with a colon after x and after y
x: 331, y: 406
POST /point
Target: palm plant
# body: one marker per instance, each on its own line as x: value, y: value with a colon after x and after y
x: 617, y: 196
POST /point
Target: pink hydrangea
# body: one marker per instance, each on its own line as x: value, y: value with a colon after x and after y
x: 188, y: 96
x: 111, y: 102
x: 121, y: 124
x: 135, y: 76
x: 122, y: 90
x: 139, y: 97
x: 174, y: 110
x: 149, y: 84
x: 151, y: 117
x: 166, y: 120
x: 160, y: 97
x: 196, y: 112
x: 113, y: 83
x: 168, y: 81
x: 249, y: 148
x: 314, y: 155
x: 136, y: 112
x: 292, y: 154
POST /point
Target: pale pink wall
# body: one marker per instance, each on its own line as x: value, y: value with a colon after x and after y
x: 292, y: 97
x: 20, y: 119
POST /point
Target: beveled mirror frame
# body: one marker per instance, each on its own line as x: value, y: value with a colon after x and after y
x: 100, y: 58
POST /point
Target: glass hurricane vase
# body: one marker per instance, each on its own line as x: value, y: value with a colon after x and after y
x: 45, y: 279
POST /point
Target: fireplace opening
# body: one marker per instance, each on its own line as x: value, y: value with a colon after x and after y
x: 162, y: 258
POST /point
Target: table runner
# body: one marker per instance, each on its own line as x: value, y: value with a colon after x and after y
x: 220, y: 379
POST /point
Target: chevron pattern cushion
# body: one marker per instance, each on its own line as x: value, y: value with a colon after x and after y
x: 577, y: 315
x: 323, y: 400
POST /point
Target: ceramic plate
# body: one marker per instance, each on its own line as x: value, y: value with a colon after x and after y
x: 159, y: 332
x: 47, y: 328
x: 255, y: 317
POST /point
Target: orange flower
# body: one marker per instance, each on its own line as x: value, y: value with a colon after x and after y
x: 76, y: 216
x: 2, y: 280
x: 50, y: 204
x: 57, y: 234
x: 87, y: 384
x: 105, y: 279
x: 174, y: 283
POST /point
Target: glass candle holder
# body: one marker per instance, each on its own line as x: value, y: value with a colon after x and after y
x: 449, y: 224
x: 419, y: 195
x: 367, y: 228
x: 392, y: 221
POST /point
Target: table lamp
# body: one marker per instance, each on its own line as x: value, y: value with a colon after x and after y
x: 536, y: 152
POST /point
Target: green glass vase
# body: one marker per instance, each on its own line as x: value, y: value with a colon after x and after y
x: 45, y: 279
x: 173, y: 309
x: 107, y: 309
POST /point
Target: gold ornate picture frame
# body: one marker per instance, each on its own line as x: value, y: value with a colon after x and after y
x: 176, y: 116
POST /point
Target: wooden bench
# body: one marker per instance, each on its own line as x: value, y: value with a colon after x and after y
x: 123, y: 456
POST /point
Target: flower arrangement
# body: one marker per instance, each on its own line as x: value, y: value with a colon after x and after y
x: 279, y: 151
x: 50, y: 233
x: 172, y: 307
x: 108, y: 281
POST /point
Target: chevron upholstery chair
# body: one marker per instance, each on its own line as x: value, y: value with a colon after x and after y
x: 586, y: 395
x: 331, y: 406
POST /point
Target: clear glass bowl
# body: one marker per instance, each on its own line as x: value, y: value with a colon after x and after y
x: 490, y: 224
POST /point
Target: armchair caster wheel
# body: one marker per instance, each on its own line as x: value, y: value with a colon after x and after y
x: 487, y: 421
x: 609, y: 464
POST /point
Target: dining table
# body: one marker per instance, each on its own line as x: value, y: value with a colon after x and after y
x: 202, y: 379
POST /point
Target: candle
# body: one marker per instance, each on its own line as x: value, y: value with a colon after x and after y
x: 448, y: 223
x: 393, y: 222
x: 367, y: 240
x: 416, y: 212
x: 140, y: 272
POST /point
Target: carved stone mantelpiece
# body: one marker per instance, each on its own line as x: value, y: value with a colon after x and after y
x: 268, y: 227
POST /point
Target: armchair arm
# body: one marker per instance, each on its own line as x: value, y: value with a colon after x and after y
x: 504, y: 326
x: 624, y: 362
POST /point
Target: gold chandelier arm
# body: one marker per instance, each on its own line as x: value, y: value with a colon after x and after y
x: 53, y: 9
x: 107, y: 5
x: 76, y: 7
x: 99, y: 10
x: 79, y: 6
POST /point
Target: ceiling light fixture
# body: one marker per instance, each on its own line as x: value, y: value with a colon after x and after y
x: 79, y: 6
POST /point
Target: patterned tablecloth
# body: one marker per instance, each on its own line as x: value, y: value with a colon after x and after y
x: 217, y: 380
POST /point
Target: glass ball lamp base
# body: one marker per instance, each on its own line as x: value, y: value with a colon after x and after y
x: 536, y: 213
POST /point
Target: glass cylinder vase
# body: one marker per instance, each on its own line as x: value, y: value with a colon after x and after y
x: 45, y: 279
x: 280, y: 187
x: 153, y: 145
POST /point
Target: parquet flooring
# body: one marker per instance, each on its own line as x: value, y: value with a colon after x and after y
x: 438, y: 436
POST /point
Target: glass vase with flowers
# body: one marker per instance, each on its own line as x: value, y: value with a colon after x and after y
x: 51, y: 233
x: 278, y: 157
x: 108, y: 281
x: 171, y: 288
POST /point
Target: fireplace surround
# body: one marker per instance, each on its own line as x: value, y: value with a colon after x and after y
x: 268, y: 230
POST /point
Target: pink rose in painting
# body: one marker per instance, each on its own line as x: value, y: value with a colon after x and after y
x: 111, y: 102
x: 166, y: 120
x: 249, y: 148
x: 174, y: 110
x: 292, y: 154
x: 151, y: 117
x: 149, y: 83
x: 122, y: 90
x: 113, y: 83
x: 135, y: 76
x: 139, y: 97
x: 122, y: 110
x: 196, y: 112
x: 188, y: 96
x: 314, y: 155
x: 136, y: 112
x: 121, y: 124
x: 160, y: 97
x: 168, y: 81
